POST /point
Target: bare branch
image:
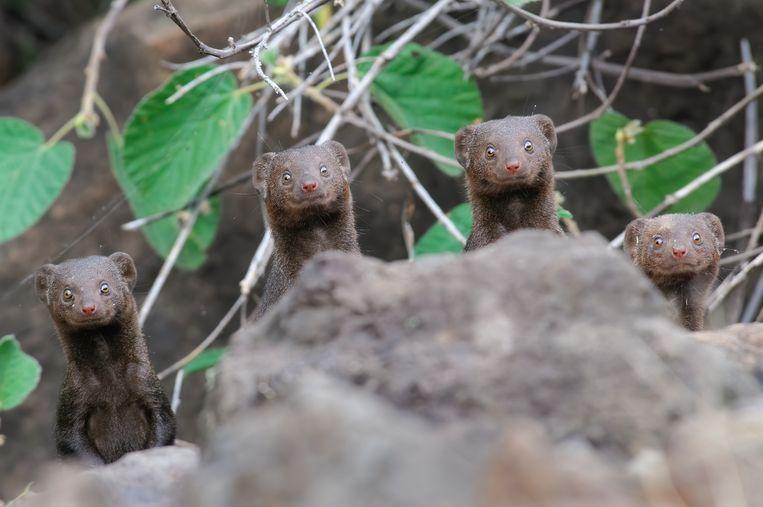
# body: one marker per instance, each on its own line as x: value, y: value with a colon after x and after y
x: 92, y: 71
x: 583, y: 120
x: 642, y: 164
x: 239, y: 46
x: 566, y: 25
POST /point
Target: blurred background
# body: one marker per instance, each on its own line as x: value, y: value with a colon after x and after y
x: 44, y: 45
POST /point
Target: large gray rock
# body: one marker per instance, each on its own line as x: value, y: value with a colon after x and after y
x: 327, y: 444
x: 564, y: 331
x: 146, y: 479
x: 742, y: 342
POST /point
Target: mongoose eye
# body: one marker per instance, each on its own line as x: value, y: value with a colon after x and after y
x: 105, y: 289
x: 658, y: 241
x: 286, y: 178
x: 529, y: 148
x: 324, y: 170
x: 490, y: 151
x: 68, y: 295
x: 696, y: 238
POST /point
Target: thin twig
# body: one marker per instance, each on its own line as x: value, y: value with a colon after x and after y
x: 241, y: 45
x: 731, y: 282
x: 596, y: 113
x: 639, y: 165
x: 376, y: 68
x: 566, y: 25
x: 579, y: 85
x: 181, y: 363
x: 92, y: 71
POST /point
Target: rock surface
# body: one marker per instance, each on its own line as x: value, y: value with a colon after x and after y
x: 148, y: 478
x: 743, y: 342
x: 327, y: 444
x: 578, y: 340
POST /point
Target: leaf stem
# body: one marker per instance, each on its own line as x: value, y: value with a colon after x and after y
x: 62, y: 132
x: 110, y: 119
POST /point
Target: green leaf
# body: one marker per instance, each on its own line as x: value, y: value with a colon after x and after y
x: 205, y: 360
x: 651, y: 185
x: 563, y: 213
x: 32, y: 175
x: 438, y: 240
x: 170, y: 151
x: 161, y: 235
x: 19, y: 373
x: 425, y: 89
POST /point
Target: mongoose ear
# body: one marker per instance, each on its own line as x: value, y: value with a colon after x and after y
x: 340, y: 153
x: 633, y: 233
x: 126, y: 268
x: 43, y: 279
x: 260, y: 172
x: 716, y: 227
x: 546, y: 126
x: 464, y: 141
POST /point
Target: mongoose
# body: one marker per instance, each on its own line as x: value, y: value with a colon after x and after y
x: 680, y: 254
x: 111, y: 402
x: 308, y: 205
x: 509, y: 176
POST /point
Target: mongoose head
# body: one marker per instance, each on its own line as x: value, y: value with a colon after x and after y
x: 507, y: 154
x: 88, y: 292
x: 304, y: 183
x: 676, y: 244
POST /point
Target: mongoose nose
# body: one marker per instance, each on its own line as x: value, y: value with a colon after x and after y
x: 88, y: 310
x: 309, y: 186
x: 512, y: 166
x: 679, y: 252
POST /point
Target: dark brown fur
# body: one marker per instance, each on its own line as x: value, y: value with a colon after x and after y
x: 503, y: 200
x: 682, y: 268
x: 111, y: 402
x: 304, y: 222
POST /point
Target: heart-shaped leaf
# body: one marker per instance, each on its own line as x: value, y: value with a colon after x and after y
x: 651, y: 185
x: 424, y: 89
x: 32, y: 175
x: 19, y: 373
x: 170, y: 150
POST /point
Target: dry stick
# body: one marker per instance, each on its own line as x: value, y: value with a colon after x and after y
x: 424, y: 195
x: 169, y: 262
x: 676, y: 80
x: 376, y: 68
x: 642, y: 164
x: 241, y: 45
x: 536, y: 76
x: 730, y: 283
x: 618, y: 85
x: 622, y: 138
x: 749, y: 180
x: 750, y: 169
x: 579, y: 85
x: 733, y: 259
x: 92, y: 70
x: 693, y: 185
x: 520, y: 52
x: 207, y: 341
x: 566, y: 25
